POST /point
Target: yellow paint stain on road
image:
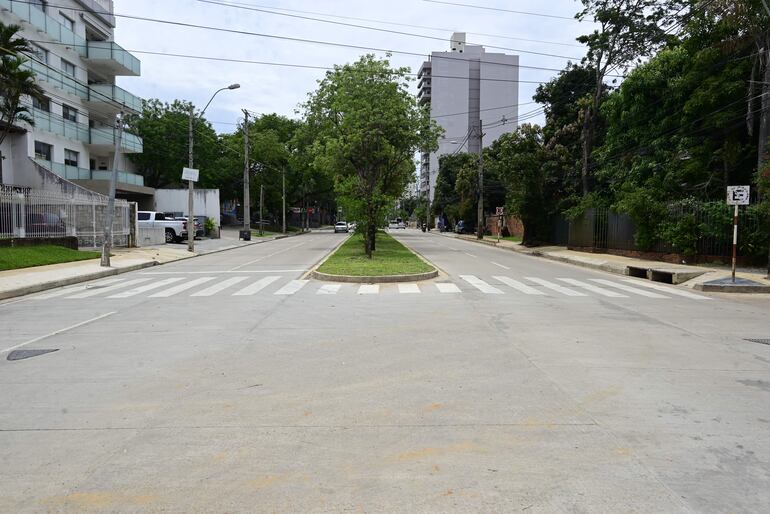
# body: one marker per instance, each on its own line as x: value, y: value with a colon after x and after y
x: 424, y: 453
x: 100, y: 500
x: 264, y: 481
x: 623, y: 451
x: 434, y: 406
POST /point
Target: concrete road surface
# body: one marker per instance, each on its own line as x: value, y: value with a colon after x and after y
x: 228, y: 383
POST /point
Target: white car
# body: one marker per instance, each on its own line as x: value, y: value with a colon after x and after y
x: 341, y: 226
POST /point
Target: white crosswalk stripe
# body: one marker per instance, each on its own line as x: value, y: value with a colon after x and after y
x: 593, y: 288
x: 147, y: 287
x: 519, y: 286
x: 257, y: 286
x: 555, y: 287
x: 408, y: 289
x: 480, y: 284
x: 85, y: 287
x: 221, y: 286
x: 94, y: 291
x: 447, y: 287
x: 329, y: 289
x: 668, y: 289
x: 369, y: 289
x: 181, y: 287
x: 292, y: 287
x: 629, y: 289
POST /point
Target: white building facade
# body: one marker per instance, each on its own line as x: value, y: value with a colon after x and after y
x: 76, y: 62
x: 464, y: 87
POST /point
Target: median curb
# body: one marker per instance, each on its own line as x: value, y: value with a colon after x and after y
x: 368, y: 279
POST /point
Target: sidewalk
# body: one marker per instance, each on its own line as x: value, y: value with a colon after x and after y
x: 706, y: 277
x: 20, y: 282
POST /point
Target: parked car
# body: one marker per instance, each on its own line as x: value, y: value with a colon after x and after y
x: 463, y: 228
x: 341, y: 226
x: 47, y: 224
x: 174, y: 229
x: 396, y: 223
x: 199, y: 230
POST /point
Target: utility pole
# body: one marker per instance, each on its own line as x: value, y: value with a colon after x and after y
x: 283, y: 196
x: 261, y: 198
x: 110, y: 215
x: 246, y: 185
x: 480, y: 230
x: 190, y: 218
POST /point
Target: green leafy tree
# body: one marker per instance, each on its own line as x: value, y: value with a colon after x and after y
x: 369, y: 126
x: 16, y: 82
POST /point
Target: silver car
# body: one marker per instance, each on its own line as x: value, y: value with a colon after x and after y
x: 341, y: 226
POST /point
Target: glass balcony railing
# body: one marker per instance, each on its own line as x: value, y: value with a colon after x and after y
x: 111, y: 51
x: 109, y: 92
x: 36, y: 17
x: 50, y: 123
x: 58, y: 79
x: 75, y: 173
x: 129, y: 143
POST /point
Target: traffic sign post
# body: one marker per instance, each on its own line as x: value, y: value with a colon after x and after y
x: 737, y: 195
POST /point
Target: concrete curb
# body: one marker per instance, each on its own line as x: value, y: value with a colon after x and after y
x: 53, y: 284
x: 384, y: 279
x: 717, y: 288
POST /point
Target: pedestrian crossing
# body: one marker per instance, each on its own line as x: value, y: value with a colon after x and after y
x: 196, y: 286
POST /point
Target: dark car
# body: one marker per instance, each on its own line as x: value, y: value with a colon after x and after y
x: 45, y: 224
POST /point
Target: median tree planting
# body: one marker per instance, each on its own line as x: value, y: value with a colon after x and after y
x: 367, y: 127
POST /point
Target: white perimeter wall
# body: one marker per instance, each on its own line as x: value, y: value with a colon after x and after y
x: 206, y: 202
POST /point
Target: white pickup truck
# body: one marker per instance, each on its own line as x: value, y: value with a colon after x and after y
x: 175, y: 229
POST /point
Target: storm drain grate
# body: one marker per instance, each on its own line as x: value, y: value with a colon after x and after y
x: 18, y: 355
x: 760, y: 341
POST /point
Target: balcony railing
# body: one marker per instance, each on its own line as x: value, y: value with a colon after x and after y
x: 105, y: 136
x: 37, y: 18
x: 50, y: 123
x: 101, y: 8
x: 58, y: 79
x: 111, y: 93
x: 120, y: 60
x: 76, y: 173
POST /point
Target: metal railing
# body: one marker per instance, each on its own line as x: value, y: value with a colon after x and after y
x: 31, y: 213
x: 36, y: 17
x: 111, y: 51
x: 76, y: 173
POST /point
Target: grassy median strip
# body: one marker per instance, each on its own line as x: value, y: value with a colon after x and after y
x: 390, y: 258
x: 27, y: 256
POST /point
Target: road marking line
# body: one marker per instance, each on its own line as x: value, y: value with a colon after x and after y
x: 78, y: 288
x: 623, y: 287
x: 181, y: 287
x: 266, y: 257
x: 369, y: 289
x: 329, y: 289
x: 221, y: 272
x: 257, y: 286
x: 555, y: 287
x: 593, y: 288
x: 99, y: 290
x: 469, y: 254
x: 447, y: 287
x: 480, y: 284
x: 408, y: 289
x: 146, y: 287
x: 292, y: 287
x: 672, y: 290
x: 501, y: 265
x: 221, y: 286
x: 56, y: 332
x: 520, y: 286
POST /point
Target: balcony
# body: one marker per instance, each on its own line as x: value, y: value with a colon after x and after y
x: 45, y: 24
x: 57, y: 125
x: 101, y: 8
x: 58, y: 79
x: 75, y: 173
x: 110, y: 57
x: 103, y: 141
x: 112, y: 99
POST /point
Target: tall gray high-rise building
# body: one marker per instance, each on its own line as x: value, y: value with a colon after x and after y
x: 464, y: 87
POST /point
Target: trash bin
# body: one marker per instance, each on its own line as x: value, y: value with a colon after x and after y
x: 245, y: 235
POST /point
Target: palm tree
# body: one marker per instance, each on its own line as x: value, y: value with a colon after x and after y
x: 16, y: 82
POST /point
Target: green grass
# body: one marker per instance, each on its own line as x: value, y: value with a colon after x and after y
x: 27, y: 256
x: 390, y: 258
x: 265, y: 233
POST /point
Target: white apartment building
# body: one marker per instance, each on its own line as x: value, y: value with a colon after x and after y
x: 76, y: 63
x: 463, y: 87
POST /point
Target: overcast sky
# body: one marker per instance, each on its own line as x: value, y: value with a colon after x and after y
x: 266, y: 89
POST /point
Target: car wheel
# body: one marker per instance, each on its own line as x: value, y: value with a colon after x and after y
x: 170, y: 236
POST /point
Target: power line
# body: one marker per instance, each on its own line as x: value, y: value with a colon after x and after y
x: 497, y: 9
x: 383, y: 22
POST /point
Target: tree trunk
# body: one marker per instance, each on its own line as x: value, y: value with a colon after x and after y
x: 372, y: 237
x: 587, y: 135
x: 763, y: 152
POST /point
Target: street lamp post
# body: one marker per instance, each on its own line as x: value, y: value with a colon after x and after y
x: 190, y: 183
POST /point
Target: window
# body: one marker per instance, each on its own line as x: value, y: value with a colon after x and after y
x: 67, y: 21
x: 69, y: 113
x: 143, y: 216
x: 39, y: 53
x: 43, y: 150
x: 43, y: 104
x: 68, y: 68
x: 159, y: 216
x: 71, y: 157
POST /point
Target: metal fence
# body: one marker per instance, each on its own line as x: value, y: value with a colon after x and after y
x: 31, y: 213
